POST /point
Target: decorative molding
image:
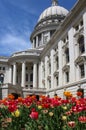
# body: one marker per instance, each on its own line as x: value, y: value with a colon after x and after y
x: 66, y: 67
x: 56, y: 73
x: 80, y: 59
x: 49, y: 77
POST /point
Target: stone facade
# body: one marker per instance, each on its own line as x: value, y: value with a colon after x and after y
x: 57, y: 60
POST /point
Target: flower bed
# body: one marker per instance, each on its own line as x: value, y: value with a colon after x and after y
x: 43, y: 114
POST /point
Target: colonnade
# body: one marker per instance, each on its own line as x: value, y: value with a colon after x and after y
x: 13, y: 74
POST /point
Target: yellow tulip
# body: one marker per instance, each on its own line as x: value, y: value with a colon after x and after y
x: 50, y: 113
x: 40, y: 107
x: 64, y: 107
x: 17, y: 113
x: 64, y: 118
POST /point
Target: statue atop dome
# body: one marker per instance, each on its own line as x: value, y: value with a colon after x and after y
x: 54, y: 2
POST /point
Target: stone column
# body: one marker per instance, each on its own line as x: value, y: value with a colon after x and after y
x: 36, y: 41
x: 85, y: 68
x: 52, y: 68
x: 76, y: 48
x: 46, y: 71
x: 42, y: 75
x: 39, y: 75
x: 71, y: 54
x: 84, y: 25
x: 14, y: 73
x: 33, y: 45
x: 10, y: 74
x: 60, y: 58
x: 42, y: 39
x: 23, y: 74
x: 77, y: 73
x: 35, y: 75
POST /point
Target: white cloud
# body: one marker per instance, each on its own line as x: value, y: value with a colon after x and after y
x: 11, y: 43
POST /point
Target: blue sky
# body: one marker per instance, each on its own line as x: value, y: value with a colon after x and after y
x: 17, y: 21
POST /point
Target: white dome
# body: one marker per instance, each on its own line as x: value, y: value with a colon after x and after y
x: 53, y: 10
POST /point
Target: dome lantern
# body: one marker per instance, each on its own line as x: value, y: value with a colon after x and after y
x: 54, y: 2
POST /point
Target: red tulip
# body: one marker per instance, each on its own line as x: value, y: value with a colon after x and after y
x: 71, y: 124
x: 12, y: 108
x: 34, y: 115
x: 82, y: 119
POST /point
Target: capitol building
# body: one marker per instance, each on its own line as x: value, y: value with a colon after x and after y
x: 57, y: 60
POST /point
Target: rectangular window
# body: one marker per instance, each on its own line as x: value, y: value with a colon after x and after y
x: 81, y: 23
x: 31, y: 77
x: 49, y: 68
x: 26, y: 86
x: 3, y: 68
x: 77, y: 28
x: 26, y: 77
x: 82, y: 72
x: 57, y: 80
x: 67, y: 76
x: 57, y: 63
x: 31, y: 86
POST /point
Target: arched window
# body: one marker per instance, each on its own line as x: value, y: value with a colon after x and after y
x: 81, y: 44
x: 1, y: 78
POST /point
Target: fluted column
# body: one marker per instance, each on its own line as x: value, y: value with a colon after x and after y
x: 77, y: 73
x: 52, y: 68
x: 84, y: 24
x: 33, y: 45
x: 76, y: 47
x: 71, y: 54
x: 42, y: 38
x: 10, y: 74
x: 35, y: 75
x: 36, y: 41
x: 60, y: 58
x: 46, y: 71
x: 23, y: 74
x: 39, y: 75
x: 14, y: 73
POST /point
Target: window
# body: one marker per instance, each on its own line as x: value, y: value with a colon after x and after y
x: 31, y: 86
x: 81, y: 23
x: 45, y: 39
x: 49, y: 68
x: 67, y: 54
x: 57, y: 63
x: 81, y: 44
x: 26, y: 68
x: 76, y: 28
x: 31, y: 77
x: 57, y: 80
x: 31, y: 67
x: 1, y: 78
x: 26, y: 86
x: 26, y: 77
x: 67, y: 76
x: 82, y: 72
x: 3, y: 68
